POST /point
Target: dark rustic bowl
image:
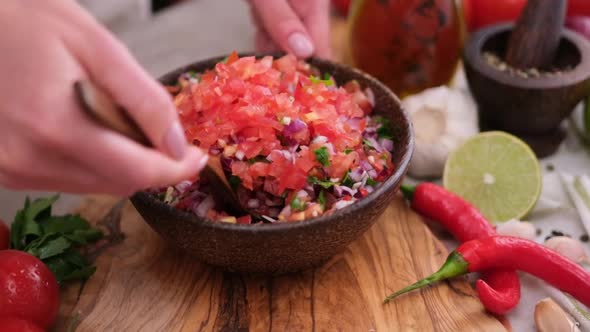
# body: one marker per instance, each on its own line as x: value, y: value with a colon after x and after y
x: 532, y: 108
x: 284, y: 247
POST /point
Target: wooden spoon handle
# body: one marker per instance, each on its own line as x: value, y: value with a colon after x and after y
x: 102, y: 109
x: 535, y: 38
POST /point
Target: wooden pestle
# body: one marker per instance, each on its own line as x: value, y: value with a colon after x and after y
x: 535, y: 38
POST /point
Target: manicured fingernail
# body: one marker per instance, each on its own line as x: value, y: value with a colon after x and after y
x: 300, y: 45
x: 203, y: 161
x: 175, y: 141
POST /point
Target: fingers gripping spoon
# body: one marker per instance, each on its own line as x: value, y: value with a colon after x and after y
x: 103, y: 110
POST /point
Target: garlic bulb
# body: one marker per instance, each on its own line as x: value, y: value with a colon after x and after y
x: 550, y: 317
x: 443, y: 118
x: 517, y: 228
x: 568, y: 247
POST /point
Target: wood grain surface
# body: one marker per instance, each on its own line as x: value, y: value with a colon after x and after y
x: 144, y: 284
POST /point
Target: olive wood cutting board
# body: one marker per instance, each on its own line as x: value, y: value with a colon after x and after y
x: 144, y: 284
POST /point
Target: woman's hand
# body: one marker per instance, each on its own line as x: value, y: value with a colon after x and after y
x: 46, y: 141
x: 301, y: 27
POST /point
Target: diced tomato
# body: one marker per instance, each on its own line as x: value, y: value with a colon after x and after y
x: 245, y: 220
x: 363, y: 192
x: 341, y: 163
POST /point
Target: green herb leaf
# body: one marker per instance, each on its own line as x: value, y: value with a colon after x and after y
x: 69, y: 266
x: 327, y: 81
x: 234, y: 181
x: 347, y: 181
x: 322, y: 200
x: 16, y: 231
x: 368, y: 144
x: 53, y: 248
x: 83, y: 237
x: 323, y: 184
x: 297, y: 204
x: 258, y: 159
x: 371, y: 182
x: 322, y: 155
x: 347, y: 151
x: 40, y: 208
x: 64, y: 224
x: 385, y: 129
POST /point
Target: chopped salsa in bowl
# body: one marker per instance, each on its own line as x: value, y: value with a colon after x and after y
x: 293, y: 144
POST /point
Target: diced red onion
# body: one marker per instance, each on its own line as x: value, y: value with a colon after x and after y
x: 370, y: 96
x: 365, y: 165
x: 386, y: 143
x: 294, y: 127
x: 319, y: 140
x: 375, y: 144
x: 204, y: 207
x: 302, y: 194
x: 275, y: 201
x: 369, y: 189
x: 253, y: 203
x: 267, y: 218
x: 274, y: 212
x: 357, y: 174
x: 240, y: 155
x: 330, y: 148
x: 342, y: 190
x: 342, y: 203
x: 183, y: 186
x: 373, y: 173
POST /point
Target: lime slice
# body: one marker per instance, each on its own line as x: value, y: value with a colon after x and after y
x: 496, y: 172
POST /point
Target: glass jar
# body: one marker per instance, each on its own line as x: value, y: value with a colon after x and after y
x: 409, y: 45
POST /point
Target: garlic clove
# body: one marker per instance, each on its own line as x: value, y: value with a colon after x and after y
x: 443, y: 118
x: 513, y: 227
x: 570, y: 248
x: 550, y: 317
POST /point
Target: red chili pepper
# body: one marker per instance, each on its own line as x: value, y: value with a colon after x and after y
x: 507, y: 252
x: 498, y: 290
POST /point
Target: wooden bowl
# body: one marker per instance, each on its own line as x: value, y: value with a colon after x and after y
x: 284, y: 247
x: 531, y: 108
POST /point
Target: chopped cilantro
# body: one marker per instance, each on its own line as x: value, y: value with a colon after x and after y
x: 385, y: 129
x: 322, y: 156
x: 258, y: 159
x: 322, y: 200
x: 347, y: 181
x: 323, y: 184
x: 371, y: 182
x: 234, y: 181
x: 347, y: 151
x: 316, y: 80
x: 297, y: 204
x: 368, y: 144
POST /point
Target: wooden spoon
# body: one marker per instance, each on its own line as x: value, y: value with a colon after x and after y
x: 103, y: 110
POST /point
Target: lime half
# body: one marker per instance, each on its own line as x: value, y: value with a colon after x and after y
x: 496, y: 172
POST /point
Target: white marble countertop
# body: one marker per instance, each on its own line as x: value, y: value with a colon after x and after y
x: 204, y: 28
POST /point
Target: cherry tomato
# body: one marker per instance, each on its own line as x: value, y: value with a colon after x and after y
x: 13, y: 324
x: 28, y: 289
x: 481, y: 13
x: 4, y: 235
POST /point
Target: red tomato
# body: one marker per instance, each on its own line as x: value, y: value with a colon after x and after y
x: 13, y: 324
x: 481, y: 13
x: 4, y: 235
x: 28, y: 288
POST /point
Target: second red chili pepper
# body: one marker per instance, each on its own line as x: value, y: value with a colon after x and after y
x: 498, y: 290
x: 507, y: 252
